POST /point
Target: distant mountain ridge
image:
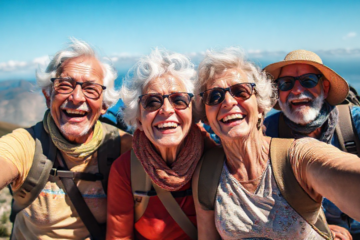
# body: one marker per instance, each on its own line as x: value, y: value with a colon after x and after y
x: 6, y: 128
x: 21, y: 102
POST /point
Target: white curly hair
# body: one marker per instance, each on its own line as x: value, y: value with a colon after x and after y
x: 216, y: 62
x: 75, y: 49
x: 149, y: 67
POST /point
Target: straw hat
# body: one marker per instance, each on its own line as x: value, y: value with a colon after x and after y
x: 339, y: 88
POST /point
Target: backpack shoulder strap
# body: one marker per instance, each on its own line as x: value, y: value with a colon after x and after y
x: 140, y: 185
x: 211, y: 167
x: 284, y: 129
x: 289, y: 187
x: 108, y: 152
x: 348, y: 138
x: 96, y: 230
x: 44, y: 156
x: 176, y: 212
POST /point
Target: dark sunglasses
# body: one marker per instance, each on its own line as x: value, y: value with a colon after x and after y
x: 216, y: 96
x: 309, y: 80
x: 153, y: 101
x: 67, y: 85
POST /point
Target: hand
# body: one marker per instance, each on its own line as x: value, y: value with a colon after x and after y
x: 340, y: 233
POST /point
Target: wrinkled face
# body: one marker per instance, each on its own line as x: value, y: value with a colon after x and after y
x: 301, y: 105
x: 74, y: 114
x: 165, y: 127
x: 233, y: 118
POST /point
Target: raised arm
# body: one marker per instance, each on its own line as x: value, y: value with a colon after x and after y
x: 120, y: 201
x: 8, y: 172
x: 324, y: 170
x: 16, y: 156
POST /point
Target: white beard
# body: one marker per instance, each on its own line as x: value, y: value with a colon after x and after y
x: 306, y: 114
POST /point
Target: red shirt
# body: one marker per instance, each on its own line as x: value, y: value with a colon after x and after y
x: 156, y: 223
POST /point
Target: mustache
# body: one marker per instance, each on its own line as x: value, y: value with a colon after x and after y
x: 303, y: 95
x: 70, y: 105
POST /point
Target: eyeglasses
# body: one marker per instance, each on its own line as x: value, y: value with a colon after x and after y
x: 67, y: 86
x: 153, y: 101
x: 216, y: 95
x: 309, y: 80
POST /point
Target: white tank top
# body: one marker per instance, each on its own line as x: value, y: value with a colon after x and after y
x: 264, y: 214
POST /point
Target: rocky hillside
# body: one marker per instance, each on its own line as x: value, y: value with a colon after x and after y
x: 21, y: 103
x: 5, y: 197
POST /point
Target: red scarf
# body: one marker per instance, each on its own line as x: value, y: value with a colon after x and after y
x: 174, y: 177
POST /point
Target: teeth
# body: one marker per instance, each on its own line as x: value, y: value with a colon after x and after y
x: 232, y: 116
x: 300, y: 101
x: 73, y: 111
x: 167, y: 124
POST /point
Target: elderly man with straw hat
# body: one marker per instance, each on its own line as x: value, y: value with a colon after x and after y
x: 308, y: 92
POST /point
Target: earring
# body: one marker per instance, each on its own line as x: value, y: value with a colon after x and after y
x: 258, y: 125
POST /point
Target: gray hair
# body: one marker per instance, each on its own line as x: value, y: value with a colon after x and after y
x: 77, y: 48
x: 216, y: 62
x: 149, y: 67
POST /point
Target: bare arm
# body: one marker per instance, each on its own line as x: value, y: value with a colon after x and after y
x: 324, y: 170
x: 8, y: 172
x: 205, y: 219
x: 16, y: 157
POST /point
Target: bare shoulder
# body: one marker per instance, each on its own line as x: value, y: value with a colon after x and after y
x: 126, y: 141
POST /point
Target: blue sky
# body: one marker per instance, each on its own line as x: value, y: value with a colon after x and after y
x: 32, y: 30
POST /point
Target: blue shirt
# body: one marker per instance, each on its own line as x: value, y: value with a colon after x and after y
x: 333, y: 214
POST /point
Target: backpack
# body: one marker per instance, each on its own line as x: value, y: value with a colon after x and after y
x: 44, y: 168
x: 207, y: 177
x: 143, y: 188
x: 345, y: 130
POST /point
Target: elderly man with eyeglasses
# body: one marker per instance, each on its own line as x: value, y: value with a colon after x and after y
x: 308, y: 92
x: 58, y: 168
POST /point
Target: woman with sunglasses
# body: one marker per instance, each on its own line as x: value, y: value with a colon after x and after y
x: 248, y: 203
x: 158, y: 100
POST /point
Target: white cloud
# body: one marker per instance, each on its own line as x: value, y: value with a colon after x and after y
x: 349, y: 35
x: 42, y: 61
x: 13, y: 65
x: 123, y: 61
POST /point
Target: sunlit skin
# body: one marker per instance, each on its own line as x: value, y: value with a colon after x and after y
x: 75, y: 128
x: 167, y: 141
x: 239, y: 158
x: 296, y: 70
x: 237, y: 128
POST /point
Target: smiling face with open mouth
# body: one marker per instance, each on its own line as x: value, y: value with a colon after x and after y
x: 233, y: 118
x: 302, y: 105
x: 75, y: 114
x: 167, y: 126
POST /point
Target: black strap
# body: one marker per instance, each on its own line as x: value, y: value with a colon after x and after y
x: 76, y: 175
x: 152, y: 193
x: 108, y: 152
x: 96, y: 230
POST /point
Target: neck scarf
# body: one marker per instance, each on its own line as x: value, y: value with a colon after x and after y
x: 73, y: 149
x: 327, y: 119
x: 180, y: 172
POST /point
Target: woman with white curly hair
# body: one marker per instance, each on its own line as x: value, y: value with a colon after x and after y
x: 158, y: 95
x: 263, y: 188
